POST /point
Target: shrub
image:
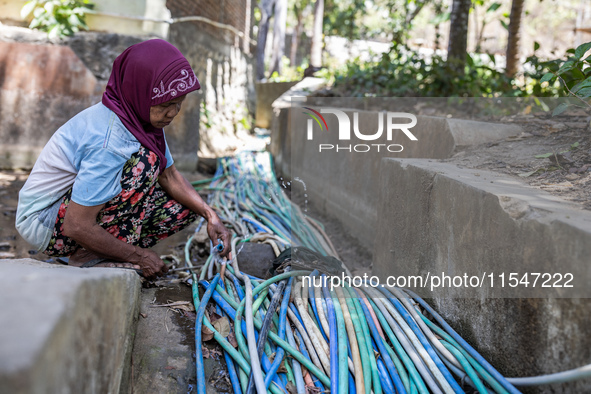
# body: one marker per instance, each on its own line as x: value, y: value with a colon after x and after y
x: 57, y: 17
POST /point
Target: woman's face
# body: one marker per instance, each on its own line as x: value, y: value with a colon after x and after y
x: 161, y: 115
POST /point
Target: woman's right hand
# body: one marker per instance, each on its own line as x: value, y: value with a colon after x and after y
x: 150, y: 263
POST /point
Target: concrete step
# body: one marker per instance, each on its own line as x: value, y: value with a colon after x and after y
x: 437, y: 218
x: 65, y: 329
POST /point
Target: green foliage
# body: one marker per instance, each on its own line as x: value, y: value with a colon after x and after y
x: 288, y: 73
x: 373, y: 19
x: 572, y: 75
x: 57, y: 17
x: 404, y: 72
x: 342, y: 18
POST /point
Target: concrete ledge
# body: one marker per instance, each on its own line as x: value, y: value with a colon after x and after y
x: 65, y: 329
x: 434, y: 217
x: 267, y: 93
x: 437, y: 217
x: 280, y: 146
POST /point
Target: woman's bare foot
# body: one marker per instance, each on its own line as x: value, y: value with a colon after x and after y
x: 83, y: 257
x: 115, y: 264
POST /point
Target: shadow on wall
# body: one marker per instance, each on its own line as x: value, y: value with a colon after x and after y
x: 223, y: 64
x: 227, y: 87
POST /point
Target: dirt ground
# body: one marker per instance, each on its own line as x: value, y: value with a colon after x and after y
x: 552, y: 154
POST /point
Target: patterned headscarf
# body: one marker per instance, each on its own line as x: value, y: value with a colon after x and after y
x: 147, y: 74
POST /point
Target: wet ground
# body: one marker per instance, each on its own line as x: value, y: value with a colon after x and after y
x: 164, y: 347
x: 163, y: 359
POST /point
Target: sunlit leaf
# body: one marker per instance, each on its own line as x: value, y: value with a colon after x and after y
x: 54, y: 32
x: 547, y: 77
x: 493, y: 7
x: 560, y: 109
x: 28, y: 9
x: 568, y: 65
x: 49, y: 7
x: 582, y: 49
x: 74, y: 20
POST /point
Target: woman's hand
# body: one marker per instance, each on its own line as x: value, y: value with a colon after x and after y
x: 217, y: 231
x: 149, y: 262
x: 181, y: 190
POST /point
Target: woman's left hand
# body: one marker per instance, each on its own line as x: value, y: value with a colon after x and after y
x: 217, y: 231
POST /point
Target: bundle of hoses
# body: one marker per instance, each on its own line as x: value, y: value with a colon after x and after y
x: 295, y: 334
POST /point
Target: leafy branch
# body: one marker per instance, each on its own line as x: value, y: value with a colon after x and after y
x: 574, y: 75
x: 58, y: 18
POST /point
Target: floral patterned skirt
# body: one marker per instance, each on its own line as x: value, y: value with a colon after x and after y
x: 142, y: 214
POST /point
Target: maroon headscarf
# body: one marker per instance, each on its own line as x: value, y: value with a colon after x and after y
x: 146, y: 74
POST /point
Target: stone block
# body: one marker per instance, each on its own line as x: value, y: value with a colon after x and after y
x: 41, y: 87
x: 65, y: 329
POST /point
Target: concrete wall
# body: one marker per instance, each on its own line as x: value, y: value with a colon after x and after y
x: 344, y: 184
x: 267, y: 93
x: 434, y: 217
x: 41, y: 87
x: 66, y: 329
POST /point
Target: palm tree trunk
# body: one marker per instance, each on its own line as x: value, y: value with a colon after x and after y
x: 512, y: 54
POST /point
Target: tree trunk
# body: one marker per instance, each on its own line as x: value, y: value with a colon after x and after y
x: 295, y: 39
x: 279, y: 35
x: 514, y: 36
x: 266, y: 7
x: 418, y: 7
x: 316, y: 47
x: 458, y: 35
